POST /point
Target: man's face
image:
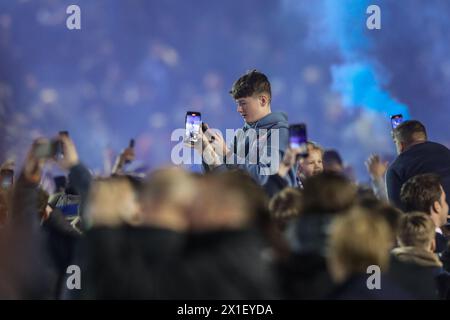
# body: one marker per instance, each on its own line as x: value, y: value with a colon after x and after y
x: 443, y: 212
x: 251, y: 108
x: 311, y: 165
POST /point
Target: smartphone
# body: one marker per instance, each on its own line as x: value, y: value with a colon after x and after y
x: 44, y: 150
x: 396, y: 120
x: 193, y: 126
x: 298, y: 138
x: 6, y: 178
x: 58, y: 149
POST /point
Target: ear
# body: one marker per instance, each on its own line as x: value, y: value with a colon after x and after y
x: 264, y: 100
x: 436, y: 207
x: 402, y: 146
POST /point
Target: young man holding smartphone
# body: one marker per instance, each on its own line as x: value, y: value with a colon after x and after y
x: 262, y: 129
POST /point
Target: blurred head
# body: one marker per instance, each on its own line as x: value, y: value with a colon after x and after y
x: 252, y: 94
x: 285, y: 205
x: 166, y: 198
x: 368, y: 200
x: 424, y: 193
x: 228, y: 200
x: 357, y: 241
x: 407, y: 134
x: 332, y: 161
x: 417, y: 230
x: 312, y: 164
x: 112, y: 202
x: 328, y: 192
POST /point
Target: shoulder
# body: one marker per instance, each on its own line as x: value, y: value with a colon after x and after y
x: 394, y: 167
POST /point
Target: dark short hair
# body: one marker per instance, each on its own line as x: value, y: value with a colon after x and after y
x: 332, y: 156
x: 409, y: 131
x: 250, y: 83
x: 420, y: 192
x: 328, y: 193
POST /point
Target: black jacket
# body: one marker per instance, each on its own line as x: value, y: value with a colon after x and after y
x: 127, y: 263
x: 355, y: 288
x: 426, y: 157
x: 227, y: 264
x: 304, y: 276
x: 419, y: 282
x: 147, y: 263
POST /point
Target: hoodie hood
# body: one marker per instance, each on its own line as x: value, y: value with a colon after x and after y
x: 274, y: 120
x: 417, y: 256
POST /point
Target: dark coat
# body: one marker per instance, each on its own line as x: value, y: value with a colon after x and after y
x: 427, y: 157
x: 126, y: 263
x: 305, y: 276
x: 227, y: 264
x: 355, y: 288
x: 417, y: 280
x: 149, y: 263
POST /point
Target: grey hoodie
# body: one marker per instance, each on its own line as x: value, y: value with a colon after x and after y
x: 262, y: 163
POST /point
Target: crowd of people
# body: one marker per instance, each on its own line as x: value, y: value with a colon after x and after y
x: 308, y: 231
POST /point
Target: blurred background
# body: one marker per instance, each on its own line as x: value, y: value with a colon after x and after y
x: 137, y: 66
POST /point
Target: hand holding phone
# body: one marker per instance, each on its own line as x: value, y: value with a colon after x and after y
x: 58, y: 148
x: 396, y: 120
x: 298, y: 138
x: 193, y: 125
x: 70, y: 153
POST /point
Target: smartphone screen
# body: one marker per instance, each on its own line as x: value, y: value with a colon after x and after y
x: 396, y: 120
x: 44, y: 150
x: 193, y: 126
x: 7, y: 178
x: 298, y: 137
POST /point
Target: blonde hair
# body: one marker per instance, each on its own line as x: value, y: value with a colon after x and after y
x: 416, y: 230
x: 359, y: 239
x: 111, y: 202
x: 312, y: 146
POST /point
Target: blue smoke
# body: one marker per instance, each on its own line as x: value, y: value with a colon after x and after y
x: 359, y: 86
x: 341, y: 26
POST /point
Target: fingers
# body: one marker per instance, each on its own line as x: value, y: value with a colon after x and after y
x: 70, y: 158
x: 67, y: 144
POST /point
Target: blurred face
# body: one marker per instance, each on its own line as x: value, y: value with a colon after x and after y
x: 311, y: 165
x: 253, y: 108
x: 442, y: 208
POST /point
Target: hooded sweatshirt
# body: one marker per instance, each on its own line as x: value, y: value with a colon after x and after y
x: 417, y: 256
x: 259, y: 148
